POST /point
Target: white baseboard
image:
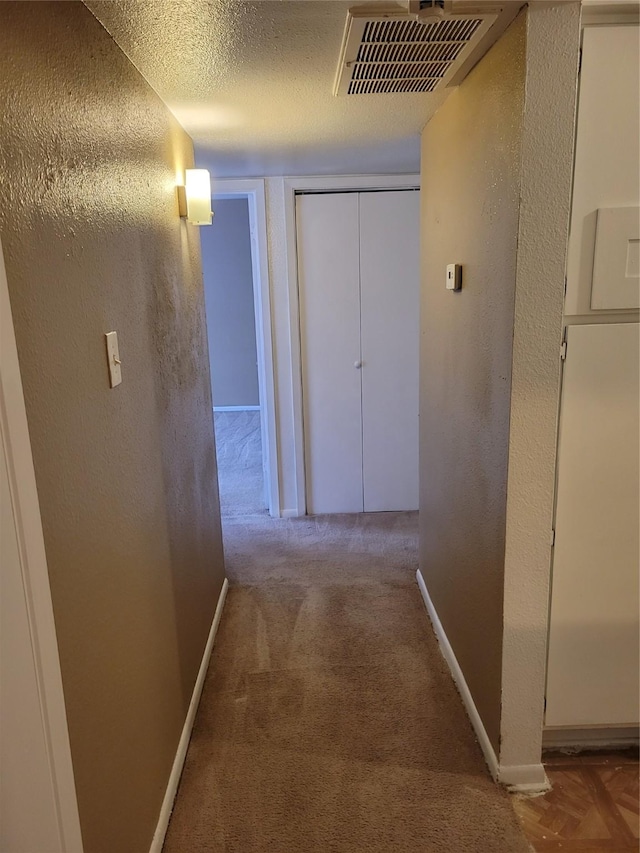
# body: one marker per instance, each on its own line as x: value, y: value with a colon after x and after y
x: 524, y: 778
x: 178, y: 763
x: 290, y: 513
x: 236, y: 408
x: 529, y: 778
x: 448, y: 654
x: 599, y: 737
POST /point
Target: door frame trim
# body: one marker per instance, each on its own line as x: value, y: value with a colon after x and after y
x: 16, y: 446
x: 292, y: 187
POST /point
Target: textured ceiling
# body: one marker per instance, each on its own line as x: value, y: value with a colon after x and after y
x: 252, y: 83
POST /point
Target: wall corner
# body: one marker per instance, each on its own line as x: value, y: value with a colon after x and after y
x: 553, y: 42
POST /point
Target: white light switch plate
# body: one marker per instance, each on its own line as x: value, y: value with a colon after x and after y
x: 616, y: 278
x: 113, y: 357
x: 454, y: 277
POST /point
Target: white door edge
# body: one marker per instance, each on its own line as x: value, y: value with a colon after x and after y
x: 26, y: 510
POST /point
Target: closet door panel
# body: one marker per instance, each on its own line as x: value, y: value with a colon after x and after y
x: 390, y: 299
x: 328, y: 276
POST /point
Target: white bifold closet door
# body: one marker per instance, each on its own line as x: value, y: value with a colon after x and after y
x: 359, y: 282
x: 328, y: 274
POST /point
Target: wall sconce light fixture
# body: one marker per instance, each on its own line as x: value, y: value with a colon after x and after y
x: 194, y: 198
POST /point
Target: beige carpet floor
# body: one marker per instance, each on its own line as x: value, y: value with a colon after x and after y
x: 329, y: 721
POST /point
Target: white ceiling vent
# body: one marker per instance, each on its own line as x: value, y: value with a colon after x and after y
x: 414, y: 51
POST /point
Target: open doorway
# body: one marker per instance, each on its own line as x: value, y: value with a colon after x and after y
x: 238, y: 313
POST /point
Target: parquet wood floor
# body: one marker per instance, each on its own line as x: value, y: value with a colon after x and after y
x: 593, y: 805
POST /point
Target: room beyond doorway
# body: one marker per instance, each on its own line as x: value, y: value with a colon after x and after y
x: 235, y: 273
x: 240, y: 470
x: 231, y: 329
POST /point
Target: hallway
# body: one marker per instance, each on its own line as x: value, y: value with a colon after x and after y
x: 329, y: 721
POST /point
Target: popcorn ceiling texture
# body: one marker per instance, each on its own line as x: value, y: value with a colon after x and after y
x: 252, y: 83
x: 126, y: 477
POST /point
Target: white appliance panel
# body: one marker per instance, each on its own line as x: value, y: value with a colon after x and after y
x: 592, y: 677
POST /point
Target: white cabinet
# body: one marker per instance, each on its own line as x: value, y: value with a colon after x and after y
x: 602, y: 269
x: 359, y: 283
x: 592, y: 675
x: 593, y: 664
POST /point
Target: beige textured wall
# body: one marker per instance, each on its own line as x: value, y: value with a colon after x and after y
x: 126, y: 477
x: 470, y: 205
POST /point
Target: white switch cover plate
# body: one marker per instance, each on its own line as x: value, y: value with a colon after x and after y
x: 454, y: 277
x: 113, y: 357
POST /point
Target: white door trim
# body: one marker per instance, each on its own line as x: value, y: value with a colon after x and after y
x: 14, y: 435
x: 316, y: 184
x: 253, y: 191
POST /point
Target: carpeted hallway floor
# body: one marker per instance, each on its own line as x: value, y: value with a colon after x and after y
x: 328, y: 720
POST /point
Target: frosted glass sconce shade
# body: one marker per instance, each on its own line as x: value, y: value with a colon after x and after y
x: 195, y: 197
